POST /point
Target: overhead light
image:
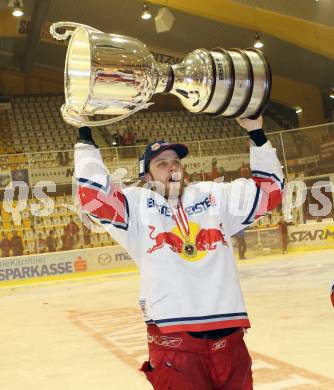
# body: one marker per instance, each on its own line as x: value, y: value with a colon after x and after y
x: 331, y: 94
x: 146, y: 14
x: 17, y: 6
x: 299, y: 110
x: 258, y: 43
x: 17, y: 12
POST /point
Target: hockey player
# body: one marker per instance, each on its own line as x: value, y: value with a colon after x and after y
x: 180, y: 238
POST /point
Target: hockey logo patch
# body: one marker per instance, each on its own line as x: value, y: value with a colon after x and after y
x: 219, y: 345
x: 155, y: 146
x: 165, y: 341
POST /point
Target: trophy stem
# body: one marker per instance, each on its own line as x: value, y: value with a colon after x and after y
x: 165, y: 78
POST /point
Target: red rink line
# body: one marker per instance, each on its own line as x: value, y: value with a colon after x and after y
x: 123, y: 333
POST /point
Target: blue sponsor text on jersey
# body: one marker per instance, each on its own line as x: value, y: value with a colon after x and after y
x: 199, y: 207
x: 163, y: 209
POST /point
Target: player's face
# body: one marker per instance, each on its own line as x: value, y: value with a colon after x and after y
x: 166, y: 168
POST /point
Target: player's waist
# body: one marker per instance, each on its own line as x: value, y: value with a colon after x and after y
x: 214, y: 334
x: 202, y: 323
x: 187, y: 342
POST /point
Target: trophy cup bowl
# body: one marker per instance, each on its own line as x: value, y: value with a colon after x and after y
x: 116, y: 75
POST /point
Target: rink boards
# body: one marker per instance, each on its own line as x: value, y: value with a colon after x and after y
x: 72, y: 264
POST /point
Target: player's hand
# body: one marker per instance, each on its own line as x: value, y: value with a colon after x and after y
x: 251, y: 124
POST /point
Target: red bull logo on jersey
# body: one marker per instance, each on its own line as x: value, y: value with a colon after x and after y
x: 165, y: 238
x: 203, y: 240
x: 208, y: 239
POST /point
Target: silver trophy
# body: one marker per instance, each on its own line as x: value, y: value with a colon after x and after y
x: 116, y: 75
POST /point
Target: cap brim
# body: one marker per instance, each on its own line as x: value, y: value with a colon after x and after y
x: 180, y: 149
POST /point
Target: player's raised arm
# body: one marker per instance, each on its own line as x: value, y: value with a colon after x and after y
x: 98, y: 195
x: 248, y: 199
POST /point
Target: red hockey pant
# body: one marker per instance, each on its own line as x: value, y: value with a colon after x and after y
x: 179, y: 361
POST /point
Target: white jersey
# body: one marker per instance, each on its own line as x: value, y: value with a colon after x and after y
x: 181, y: 292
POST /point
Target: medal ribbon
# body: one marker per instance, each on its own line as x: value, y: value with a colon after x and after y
x: 181, y: 220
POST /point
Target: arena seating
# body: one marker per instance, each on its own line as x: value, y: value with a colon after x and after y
x: 37, y: 132
x: 36, y: 128
x: 176, y: 126
x: 29, y: 226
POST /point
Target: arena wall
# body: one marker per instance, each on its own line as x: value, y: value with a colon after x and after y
x: 55, y: 266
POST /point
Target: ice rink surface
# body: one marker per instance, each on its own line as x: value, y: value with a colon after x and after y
x: 89, y: 334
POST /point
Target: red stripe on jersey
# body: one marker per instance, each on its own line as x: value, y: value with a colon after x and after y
x: 110, y: 206
x: 271, y: 195
x: 205, y: 326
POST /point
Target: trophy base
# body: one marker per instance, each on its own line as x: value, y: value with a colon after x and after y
x: 244, y: 77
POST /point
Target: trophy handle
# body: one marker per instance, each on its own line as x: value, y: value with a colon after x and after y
x: 67, y: 33
x: 73, y: 118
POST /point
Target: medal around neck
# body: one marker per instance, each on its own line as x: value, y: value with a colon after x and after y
x: 109, y: 74
x: 189, y: 249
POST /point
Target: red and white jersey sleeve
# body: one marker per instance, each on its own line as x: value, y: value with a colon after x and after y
x: 105, y: 202
x: 245, y: 200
